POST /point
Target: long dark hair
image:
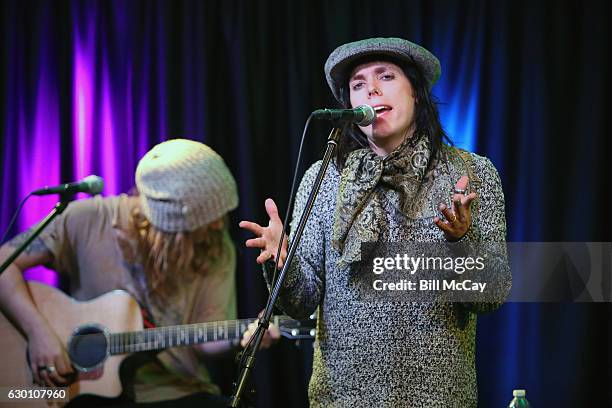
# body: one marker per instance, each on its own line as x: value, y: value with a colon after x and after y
x: 427, y: 118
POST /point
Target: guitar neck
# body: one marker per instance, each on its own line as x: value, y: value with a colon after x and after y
x: 176, y: 336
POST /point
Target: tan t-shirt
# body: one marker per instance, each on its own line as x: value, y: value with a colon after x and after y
x: 84, y: 243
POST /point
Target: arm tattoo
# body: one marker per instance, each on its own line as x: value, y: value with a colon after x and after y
x: 36, y: 246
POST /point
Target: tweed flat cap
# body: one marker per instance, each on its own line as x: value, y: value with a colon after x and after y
x: 342, y: 58
x: 184, y: 185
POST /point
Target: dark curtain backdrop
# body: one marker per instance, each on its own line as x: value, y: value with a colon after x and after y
x: 89, y: 86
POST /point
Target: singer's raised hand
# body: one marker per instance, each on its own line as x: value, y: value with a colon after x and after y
x: 267, y: 237
x: 459, y: 220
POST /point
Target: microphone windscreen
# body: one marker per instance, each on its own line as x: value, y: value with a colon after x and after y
x: 95, y: 184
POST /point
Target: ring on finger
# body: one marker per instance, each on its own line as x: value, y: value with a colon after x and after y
x: 460, y: 191
x: 50, y: 369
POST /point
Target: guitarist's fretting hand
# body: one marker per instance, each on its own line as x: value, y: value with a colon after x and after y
x: 48, y: 358
x: 271, y: 336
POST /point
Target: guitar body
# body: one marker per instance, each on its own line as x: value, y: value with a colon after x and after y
x: 115, y: 311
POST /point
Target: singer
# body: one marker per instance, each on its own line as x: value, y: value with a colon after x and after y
x: 169, y: 247
x: 398, y: 179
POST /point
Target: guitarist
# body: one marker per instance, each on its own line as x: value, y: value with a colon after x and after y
x: 168, y: 246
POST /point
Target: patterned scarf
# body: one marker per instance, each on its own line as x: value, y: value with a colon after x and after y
x: 401, y: 178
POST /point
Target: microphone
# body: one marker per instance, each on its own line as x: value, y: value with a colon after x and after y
x: 90, y: 184
x: 363, y: 115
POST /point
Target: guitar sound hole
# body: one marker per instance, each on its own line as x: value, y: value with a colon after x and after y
x: 87, y: 348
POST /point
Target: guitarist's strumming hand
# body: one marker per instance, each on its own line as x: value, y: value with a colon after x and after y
x: 48, y: 359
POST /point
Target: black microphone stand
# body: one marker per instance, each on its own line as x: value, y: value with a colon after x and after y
x: 57, y: 210
x: 248, y: 360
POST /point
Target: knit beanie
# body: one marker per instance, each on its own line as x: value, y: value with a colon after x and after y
x: 183, y: 185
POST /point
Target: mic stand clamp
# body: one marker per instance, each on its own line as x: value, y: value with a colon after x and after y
x: 248, y: 360
x: 57, y: 210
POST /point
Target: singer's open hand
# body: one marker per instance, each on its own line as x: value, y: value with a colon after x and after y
x: 458, y: 220
x: 267, y: 237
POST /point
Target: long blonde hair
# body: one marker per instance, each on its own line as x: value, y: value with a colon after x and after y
x: 166, y: 255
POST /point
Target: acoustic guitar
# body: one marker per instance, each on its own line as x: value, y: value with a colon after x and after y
x: 99, y: 334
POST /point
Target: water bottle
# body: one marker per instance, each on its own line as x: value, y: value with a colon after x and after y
x: 519, y: 400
